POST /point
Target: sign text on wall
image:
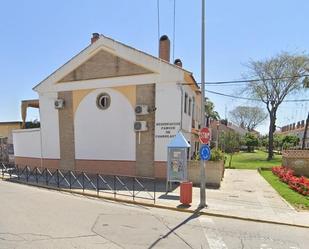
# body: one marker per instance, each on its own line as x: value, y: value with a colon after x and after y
x: 167, y: 130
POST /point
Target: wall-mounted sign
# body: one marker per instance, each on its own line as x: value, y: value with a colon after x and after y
x: 167, y: 129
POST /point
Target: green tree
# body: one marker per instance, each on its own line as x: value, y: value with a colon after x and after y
x: 32, y: 124
x: 248, y: 117
x: 290, y: 141
x: 210, y: 111
x: 264, y: 141
x: 279, y: 77
x: 229, y: 143
x: 251, y: 141
x: 278, y: 141
x: 283, y: 142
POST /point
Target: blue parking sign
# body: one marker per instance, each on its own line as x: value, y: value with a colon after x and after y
x: 205, y: 152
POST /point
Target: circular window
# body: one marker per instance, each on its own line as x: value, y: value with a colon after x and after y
x: 103, y: 101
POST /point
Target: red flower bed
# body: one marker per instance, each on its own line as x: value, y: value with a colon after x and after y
x: 299, y: 184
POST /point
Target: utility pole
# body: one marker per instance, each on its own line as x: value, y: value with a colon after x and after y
x: 202, y: 162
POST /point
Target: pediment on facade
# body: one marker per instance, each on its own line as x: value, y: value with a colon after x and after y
x: 104, y: 65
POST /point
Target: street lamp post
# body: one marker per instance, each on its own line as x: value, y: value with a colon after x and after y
x: 202, y: 162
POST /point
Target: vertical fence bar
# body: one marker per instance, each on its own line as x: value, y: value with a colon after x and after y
x: 98, y: 187
x: 154, y: 190
x: 58, y: 184
x: 46, y: 176
x: 70, y: 180
x: 36, y: 175
x: 83, y: 178
x: 17, y: 170
x: 133, y: 187
x: 27, y: 174
x: 114, y: 186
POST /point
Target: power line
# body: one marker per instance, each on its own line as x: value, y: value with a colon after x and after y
x: 231, y: 96
x: 252, y: 99
x: 252, y: 80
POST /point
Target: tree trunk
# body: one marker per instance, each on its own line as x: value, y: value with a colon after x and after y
x: 230, y: 162
x: 305, y: 133
x: 272, y: 117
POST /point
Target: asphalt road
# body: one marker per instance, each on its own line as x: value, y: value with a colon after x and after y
x: 37, y: 218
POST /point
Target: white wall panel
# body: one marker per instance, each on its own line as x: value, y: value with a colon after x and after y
x: 27, y: 143
x: 50, y: 126
x: 168, y: 116
x: 105, y: 134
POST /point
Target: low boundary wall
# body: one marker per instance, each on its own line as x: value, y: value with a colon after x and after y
x: 298, y: 160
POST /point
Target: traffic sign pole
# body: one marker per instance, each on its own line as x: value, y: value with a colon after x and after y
x: 202, y: 163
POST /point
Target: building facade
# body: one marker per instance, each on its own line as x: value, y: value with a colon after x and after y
x: 6, y: 140
x: 296, y: 129
x: 111, y: 109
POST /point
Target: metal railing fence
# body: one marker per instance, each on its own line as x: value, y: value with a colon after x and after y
x: 115, y: 185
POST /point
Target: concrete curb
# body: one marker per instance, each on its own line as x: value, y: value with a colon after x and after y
x: 209, y: 213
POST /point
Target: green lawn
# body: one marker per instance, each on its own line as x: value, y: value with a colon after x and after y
x: 294, y: 198
x: 254, y: 160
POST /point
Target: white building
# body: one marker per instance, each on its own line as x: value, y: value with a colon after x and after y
x: 111, y: 109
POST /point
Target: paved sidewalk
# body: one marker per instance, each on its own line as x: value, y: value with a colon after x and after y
x: 245, y: 194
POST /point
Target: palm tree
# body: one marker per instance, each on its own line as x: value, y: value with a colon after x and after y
x: 210, y: 111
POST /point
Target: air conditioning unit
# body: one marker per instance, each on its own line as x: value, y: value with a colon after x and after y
x: 141, y: 109
x: 59, y: 103
x: 140, y: 126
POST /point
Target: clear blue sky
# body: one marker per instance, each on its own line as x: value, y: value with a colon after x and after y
x: 39, y: 36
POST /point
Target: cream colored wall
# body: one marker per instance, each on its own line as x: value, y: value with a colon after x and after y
x: 78, y: 96
x: 6, y: 130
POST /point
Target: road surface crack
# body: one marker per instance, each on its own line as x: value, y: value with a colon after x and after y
x: 109, y: 240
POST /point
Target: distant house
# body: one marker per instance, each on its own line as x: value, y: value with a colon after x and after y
x: 111, y: 109
x: 6, y: 129
x: 220, y: 126
x: 296, y: 129
x: 6, y: 139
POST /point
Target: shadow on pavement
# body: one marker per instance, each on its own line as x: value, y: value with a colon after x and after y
x: 195, y: 215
